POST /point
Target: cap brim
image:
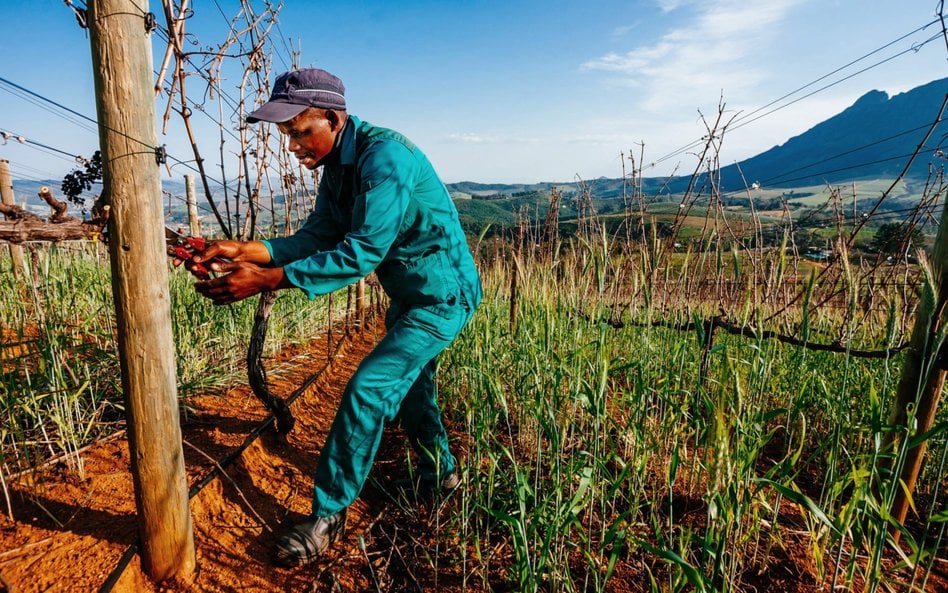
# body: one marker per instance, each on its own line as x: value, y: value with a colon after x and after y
x: 276, y: 112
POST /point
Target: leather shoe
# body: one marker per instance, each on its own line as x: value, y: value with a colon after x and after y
x: 307, y: 540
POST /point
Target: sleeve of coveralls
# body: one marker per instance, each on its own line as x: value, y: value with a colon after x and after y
x: 388, y: 172
x: 318, y: 233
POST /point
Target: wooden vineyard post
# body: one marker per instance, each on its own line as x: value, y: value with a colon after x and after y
x: 194, y: 220
x: 514, y: 272
x: 923, y: 377
x: 122, y: 68
x: 360, y: 303
x: 6, y: 193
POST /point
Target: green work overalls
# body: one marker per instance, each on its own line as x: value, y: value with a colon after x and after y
x: 381, y: 207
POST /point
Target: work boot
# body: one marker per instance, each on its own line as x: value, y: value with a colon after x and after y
x: 449, y: 483
x: 428, y: 487
x: 307, y: 540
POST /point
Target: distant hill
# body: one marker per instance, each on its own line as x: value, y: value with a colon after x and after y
x: 600, y: 188
x: 871, y: 139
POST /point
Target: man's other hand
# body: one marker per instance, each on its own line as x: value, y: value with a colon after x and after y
x: 239, y: 281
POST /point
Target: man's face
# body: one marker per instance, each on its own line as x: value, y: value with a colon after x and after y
x: 310, y: 137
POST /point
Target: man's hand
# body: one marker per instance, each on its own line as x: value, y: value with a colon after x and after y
x: 218, y: 251
x: 238, y: 251
x: 253, y: 252
x: 240, y: 280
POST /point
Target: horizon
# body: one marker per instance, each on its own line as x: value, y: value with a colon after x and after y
x: 526, y: 92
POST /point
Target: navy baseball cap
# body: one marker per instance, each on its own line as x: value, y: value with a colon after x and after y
x: 295, y: 91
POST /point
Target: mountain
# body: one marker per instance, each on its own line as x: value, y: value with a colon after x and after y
x: 873, y: 138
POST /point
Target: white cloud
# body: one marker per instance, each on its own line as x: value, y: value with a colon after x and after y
x: 670, y: 5
x: 711, y: 53
x: 471, y: 138
x: 481, y: 138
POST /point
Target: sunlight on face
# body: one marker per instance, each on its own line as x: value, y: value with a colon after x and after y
x: 310, y: 136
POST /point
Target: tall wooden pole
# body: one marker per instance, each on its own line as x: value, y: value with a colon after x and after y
x: 514, y: 274
x: 923, y: 376
x: 194, y: 220
x: 6, y: 194
x: 122, y: 63
x: 360, y: 302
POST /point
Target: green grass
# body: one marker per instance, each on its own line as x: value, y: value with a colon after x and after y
x: 595, y: 446
x: 597, y: 454
x: 60, y: 382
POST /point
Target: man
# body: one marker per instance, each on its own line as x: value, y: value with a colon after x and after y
x: 380, y: 207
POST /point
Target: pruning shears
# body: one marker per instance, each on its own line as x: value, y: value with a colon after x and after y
x: 184, y: 248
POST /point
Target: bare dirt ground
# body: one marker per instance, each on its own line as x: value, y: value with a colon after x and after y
x: 70, y: 534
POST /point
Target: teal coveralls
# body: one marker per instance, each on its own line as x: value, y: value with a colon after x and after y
x: 381, y: 207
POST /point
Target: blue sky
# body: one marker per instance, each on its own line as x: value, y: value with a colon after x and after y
x: 519, y: 91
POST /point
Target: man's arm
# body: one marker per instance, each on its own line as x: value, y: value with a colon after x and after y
x: 254, y: 252
x: 388, y: 172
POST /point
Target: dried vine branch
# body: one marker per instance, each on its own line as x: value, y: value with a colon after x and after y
x: 21, y: 226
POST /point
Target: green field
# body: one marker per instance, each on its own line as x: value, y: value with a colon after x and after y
x: 602, y: 425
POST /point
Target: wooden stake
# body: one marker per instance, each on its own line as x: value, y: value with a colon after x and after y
x: 122, y: 64
x: 514, y: 273
x: 923, y: 378
x: 194, y: 220
x: 360, y: 303
x: 6, y: 193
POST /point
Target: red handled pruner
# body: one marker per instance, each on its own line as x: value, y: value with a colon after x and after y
x: 184, y: 248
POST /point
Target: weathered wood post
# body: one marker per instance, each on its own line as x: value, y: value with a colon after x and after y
x: 6, y: 194
x: 514, y: 276
x: 194, y: 220
x: 122, y: 64
x: 360, y: 303
x: 923, y: 377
